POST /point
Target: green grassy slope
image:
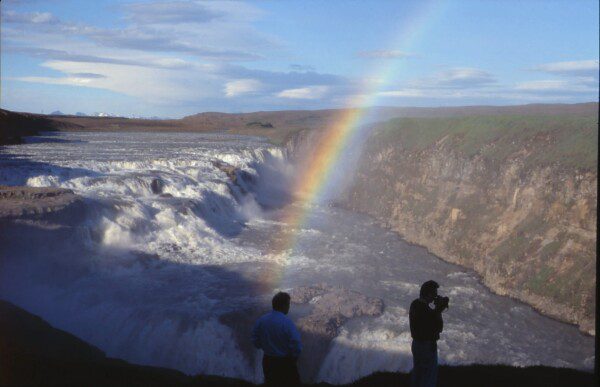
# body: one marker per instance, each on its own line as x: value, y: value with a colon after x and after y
x: 569, y: 140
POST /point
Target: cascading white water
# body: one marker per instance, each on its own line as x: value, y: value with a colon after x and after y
x: 169, y: 244
x: 159, y: 212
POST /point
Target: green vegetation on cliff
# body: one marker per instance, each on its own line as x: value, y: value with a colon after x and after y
x: 569, y: 140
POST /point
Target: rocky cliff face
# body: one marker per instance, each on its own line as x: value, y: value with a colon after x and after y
x: 513, y: 198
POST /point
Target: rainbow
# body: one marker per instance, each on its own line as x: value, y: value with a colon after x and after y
x: 341, y: 136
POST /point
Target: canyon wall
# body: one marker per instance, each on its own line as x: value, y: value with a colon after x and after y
x: 511, y: 197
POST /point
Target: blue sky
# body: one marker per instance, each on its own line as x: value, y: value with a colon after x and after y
x: 175, y: 58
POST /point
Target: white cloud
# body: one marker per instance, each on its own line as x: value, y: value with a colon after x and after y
x: 437, y: 94
x: 28, y: 18
x: 299, y: 67
x: 451, y: 83
x: 208, y: 30
x: 542, y: 85
x: 577, y: 68
x: 470, y: 84
x: 456, y: 78
x: 383, y: 54
x: 153, y: 85
x: 478, y: 95
x: 191, y: 84
x: 562, y: 86
x: 156, y: 60
x: 404, y: 93
x: 242, y: 86
x: 71, y: 81
x: 184, y: 54
x: 171, y: 12
x: 309, y: 92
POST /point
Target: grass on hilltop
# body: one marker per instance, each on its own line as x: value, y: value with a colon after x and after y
x: 569, y: 140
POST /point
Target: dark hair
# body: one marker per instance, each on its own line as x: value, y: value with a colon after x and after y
x: 281, y: 301
x: 428, y: 287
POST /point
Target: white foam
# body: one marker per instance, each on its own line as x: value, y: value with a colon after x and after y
x: 379, y: 346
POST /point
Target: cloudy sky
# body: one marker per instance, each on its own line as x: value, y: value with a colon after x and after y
x: 174, y: 58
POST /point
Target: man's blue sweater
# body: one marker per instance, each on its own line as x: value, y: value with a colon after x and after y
x: 276, y: 335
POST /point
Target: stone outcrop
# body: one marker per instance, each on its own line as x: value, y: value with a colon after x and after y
x: 17, y: 202
x: 332, y: 306
x: 238, y: 178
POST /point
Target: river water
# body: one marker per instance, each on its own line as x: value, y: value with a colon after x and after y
x: 168, y: 244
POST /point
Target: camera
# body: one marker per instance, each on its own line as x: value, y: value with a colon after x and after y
x: 441, y: 303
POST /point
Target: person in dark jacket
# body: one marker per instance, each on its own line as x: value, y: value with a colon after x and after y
x: 279, y: 339
x: 425, y: 327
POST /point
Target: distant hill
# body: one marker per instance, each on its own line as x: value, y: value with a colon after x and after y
x: 279, y: 125
x: 13, y: 126
x: 275, y: 125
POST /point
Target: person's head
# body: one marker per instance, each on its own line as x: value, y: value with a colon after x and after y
x: 281, y: 302
x: 429, y: 290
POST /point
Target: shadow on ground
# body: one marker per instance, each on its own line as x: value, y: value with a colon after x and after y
x: 34, y: 353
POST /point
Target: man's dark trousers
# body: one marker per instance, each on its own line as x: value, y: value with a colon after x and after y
x: 425, y: 364
x: 280, y: 371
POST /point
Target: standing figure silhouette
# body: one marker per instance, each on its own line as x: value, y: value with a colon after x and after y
x: 425, y: 327
x: 279, y: 339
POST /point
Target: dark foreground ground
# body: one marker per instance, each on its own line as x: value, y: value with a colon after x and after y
x: 34, y: 353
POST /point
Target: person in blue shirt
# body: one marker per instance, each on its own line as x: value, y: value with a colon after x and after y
x: 279, y: 339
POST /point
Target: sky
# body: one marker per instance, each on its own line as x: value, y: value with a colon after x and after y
x: 176, y: 58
